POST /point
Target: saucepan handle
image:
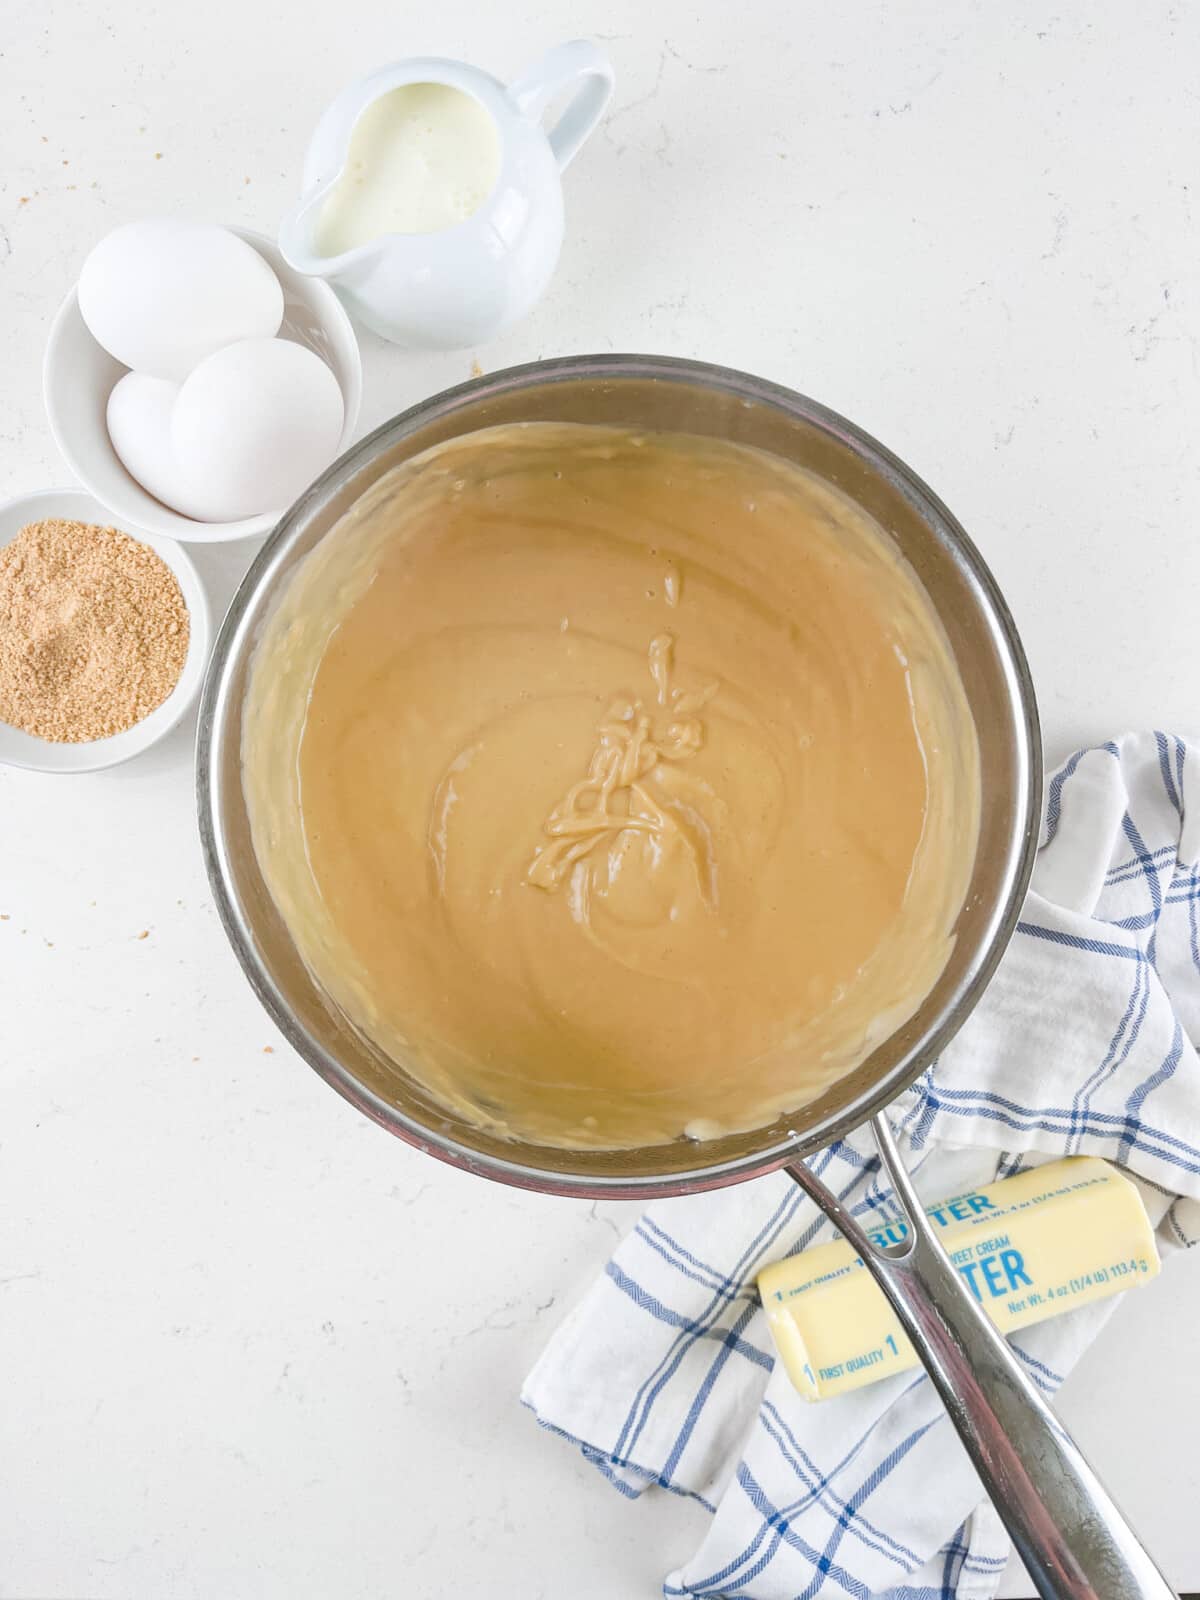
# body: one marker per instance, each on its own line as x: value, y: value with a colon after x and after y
x: 1065, y: 1526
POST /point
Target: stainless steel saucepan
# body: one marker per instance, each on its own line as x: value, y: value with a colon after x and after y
x: 1069, y: 1533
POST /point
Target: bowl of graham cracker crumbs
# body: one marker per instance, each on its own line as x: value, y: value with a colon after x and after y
x: 104, y: 635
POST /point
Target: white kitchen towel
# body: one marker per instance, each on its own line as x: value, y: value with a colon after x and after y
x: 1085, y: 1043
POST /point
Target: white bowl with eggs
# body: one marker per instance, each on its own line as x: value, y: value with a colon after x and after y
x: 20, y: 749
x: 79, y: 378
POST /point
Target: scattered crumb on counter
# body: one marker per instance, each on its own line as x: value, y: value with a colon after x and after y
x: 145, y: 933
x: 476, y: 370
x: 3, y: 916
x: 158, y: 155
x: 268, y: 1049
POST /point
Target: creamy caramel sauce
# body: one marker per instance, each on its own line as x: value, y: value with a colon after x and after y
x: 618, y: 786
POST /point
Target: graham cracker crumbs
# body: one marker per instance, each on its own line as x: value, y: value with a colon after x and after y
x: 268, y: 1049
x: 93, y: 631
x: 145, y: 933
x: 3, y: 916
x: 476, y: 370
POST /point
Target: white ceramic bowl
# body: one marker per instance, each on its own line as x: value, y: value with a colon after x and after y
x: 19, y: 749
x: 79, y: 376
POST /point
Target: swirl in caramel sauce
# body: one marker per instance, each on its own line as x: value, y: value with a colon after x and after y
x: 618, y: 786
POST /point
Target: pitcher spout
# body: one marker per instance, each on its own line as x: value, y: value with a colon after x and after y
x: 299, y: 236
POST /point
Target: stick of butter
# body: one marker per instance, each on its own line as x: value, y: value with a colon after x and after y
x: 1027, y: 1248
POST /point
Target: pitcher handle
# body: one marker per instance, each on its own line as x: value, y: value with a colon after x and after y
x: 577, y: 62
x: 1066, y: 1527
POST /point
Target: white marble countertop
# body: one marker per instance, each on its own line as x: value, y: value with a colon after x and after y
x: 250, y: 1345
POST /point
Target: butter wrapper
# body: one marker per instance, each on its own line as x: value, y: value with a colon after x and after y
x: 1027, y: 1248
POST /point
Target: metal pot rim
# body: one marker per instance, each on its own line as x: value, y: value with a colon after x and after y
x: 774, y: 1151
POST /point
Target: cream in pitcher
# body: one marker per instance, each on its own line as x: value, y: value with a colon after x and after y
x: 422, y: 157
x: 432, y: 194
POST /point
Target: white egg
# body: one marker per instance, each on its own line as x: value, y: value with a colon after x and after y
x: 254, y: 425
x: 139, y: 425
x: 161, y: 295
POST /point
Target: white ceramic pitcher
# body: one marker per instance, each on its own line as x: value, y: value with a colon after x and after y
x: 460, y: 285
